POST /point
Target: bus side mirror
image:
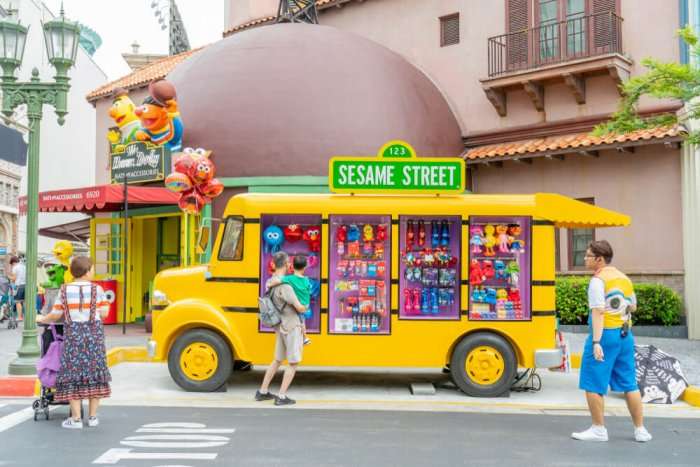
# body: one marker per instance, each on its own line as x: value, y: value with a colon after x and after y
x: 203, y: 241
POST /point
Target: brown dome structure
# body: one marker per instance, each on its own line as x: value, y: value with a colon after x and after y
x: 282, y: 99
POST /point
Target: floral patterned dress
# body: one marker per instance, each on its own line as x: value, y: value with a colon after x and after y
x: 84, y: 373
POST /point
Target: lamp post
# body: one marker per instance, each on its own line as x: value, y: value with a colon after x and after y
x: 61, y: 37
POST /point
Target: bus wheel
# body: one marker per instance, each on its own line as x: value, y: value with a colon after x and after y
x: 483, y: 365
x: 200, y: 361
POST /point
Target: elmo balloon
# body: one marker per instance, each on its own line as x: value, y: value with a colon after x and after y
x: 191, y: 202
x: 202, y: 170
x: 212, y: 188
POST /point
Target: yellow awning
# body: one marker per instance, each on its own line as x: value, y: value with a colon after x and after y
x: 570, y: 213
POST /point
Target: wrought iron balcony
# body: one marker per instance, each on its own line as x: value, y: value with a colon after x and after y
x: 576, y: 38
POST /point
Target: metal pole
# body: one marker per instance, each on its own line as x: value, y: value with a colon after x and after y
x: 28, y: 353
x: 126, y: 251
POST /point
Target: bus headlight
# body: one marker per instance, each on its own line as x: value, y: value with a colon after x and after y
x: 159, y: 299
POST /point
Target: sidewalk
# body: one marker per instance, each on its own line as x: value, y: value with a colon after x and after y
x: 10, y: 341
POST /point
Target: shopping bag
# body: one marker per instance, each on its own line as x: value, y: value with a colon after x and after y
x: 47, y: 367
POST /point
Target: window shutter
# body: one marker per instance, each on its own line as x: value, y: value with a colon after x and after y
x: 517, y: 39
x: 605, y: 25
x: 449, y: 30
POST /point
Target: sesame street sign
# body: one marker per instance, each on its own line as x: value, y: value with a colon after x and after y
x: 396, y: 169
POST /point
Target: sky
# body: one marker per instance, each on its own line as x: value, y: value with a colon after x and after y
x: 121, y: 22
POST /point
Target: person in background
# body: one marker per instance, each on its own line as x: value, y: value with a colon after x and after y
x: 608, y: 354
x: 84, y: 373
x: 18, y: 276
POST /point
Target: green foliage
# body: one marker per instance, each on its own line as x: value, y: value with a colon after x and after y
x: 656, y: 303
x: 662, y: 81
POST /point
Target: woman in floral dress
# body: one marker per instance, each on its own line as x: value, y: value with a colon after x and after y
x: 84, y: 373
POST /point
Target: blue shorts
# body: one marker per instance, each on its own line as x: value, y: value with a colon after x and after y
x: 617, y: 368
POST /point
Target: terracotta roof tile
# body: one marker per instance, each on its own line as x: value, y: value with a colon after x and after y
x: 141, y: 77
x: 570, y: 141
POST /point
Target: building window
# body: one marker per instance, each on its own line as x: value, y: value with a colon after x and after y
x: 578, y: 242
x: 449, y: 30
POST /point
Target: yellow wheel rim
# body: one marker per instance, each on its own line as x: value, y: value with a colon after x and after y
x: 485, y: 365
x: 199, y: 361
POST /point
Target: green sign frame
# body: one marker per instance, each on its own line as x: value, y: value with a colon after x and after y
x: 396, y: 170
x: 140, y: 161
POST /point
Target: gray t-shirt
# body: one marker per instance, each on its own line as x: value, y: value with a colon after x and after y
x: 283, y: 296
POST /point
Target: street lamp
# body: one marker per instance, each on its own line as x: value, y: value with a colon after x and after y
x: 62, y: 38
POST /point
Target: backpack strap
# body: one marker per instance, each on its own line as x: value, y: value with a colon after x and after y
x: 93, y: 302
x: 64, y: 300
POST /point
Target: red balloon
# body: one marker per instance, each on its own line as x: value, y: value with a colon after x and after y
x: 191, y: 202
x: 202, y: 170
x: 184, y: 163
x: 212, y: 188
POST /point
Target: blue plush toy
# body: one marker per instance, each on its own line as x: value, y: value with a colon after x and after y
x: 273, y: 238
x: 353, y: 233
x: 490, y: 296
x: 315, y: 288
x: 500, y: 268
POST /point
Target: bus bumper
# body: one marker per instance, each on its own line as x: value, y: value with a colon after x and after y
x: 151, y: 348
x: 548, y: 358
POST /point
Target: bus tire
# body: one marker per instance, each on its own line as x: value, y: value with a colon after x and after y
x: 483, y: 365
x: 200, y: 361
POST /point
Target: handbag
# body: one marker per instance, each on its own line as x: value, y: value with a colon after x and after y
x: 47, y: 367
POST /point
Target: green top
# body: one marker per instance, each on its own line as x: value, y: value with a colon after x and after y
x: 301, y: 286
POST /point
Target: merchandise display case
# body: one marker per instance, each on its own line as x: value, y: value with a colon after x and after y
x: 499, y: 268
x: 429, y: 265
x: 360, y: 276
x: 295, y: 235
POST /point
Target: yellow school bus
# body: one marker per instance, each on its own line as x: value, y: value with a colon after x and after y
x: 463, y: 282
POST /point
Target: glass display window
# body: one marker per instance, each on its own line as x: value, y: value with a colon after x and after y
x: 429, y: 267
x: 499, y: 268
x: 359, y: 274
x: 295, y: 235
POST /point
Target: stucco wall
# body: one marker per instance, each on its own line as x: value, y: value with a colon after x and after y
x: 644, y: 185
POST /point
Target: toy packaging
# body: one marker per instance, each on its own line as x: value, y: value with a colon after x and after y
x: 429, y: 265
x: 295, y: 235
x: 499, y: 268
x: 359, y: 275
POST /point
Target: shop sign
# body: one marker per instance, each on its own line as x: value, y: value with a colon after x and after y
x: 140, y: 162
x: 396, y: 169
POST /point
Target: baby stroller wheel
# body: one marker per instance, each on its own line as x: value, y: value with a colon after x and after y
x: 46, y: 413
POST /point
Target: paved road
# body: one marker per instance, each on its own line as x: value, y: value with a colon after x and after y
x: 269, y: 436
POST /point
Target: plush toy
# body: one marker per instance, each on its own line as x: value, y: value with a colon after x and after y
x: 379, y: 250
x: 434, y: 234
x: 160, y: 119
x: 517, y: 245
x: 500, y: 268
x: 477, y: 239
x: 476, y: 275
x: 410, y: 235
x: 341, y: 234
x: 381, y: 233
x: 491, y: 296
x: 293, y: 233
x: 489, y: 240
x: 354, y: 249
x: 367, y: 233
x: 315, y: 288
x: 421, y: 233
x: 487, y: 269
x: 353, y: 233
x: 513, y: 271
x: 312, y: 260
x: 312, y: 236
x: 273, y: 237
x: 502, y: 233
x: 444, y: 234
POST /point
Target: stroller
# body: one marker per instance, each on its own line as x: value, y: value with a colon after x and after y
x: 51, y: 333
x: 8, y: 312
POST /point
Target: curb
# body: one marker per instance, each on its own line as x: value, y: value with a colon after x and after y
x: 28, y: 386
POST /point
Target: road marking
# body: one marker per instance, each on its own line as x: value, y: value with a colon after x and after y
x: 221, y: 431
x: 115, y: 455
x: 182, y: 441
x: 14, y: 419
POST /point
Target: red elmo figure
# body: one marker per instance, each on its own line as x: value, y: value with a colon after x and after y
x: 293, y: 233
x: 312, y: 236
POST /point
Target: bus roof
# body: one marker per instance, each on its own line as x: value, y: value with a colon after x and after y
x: 561, y: 210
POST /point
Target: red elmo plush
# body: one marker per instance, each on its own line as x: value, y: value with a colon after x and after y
x: 342, y: 233
x: 293, y: 233
x: 312, y: 236
x: 381, y: 232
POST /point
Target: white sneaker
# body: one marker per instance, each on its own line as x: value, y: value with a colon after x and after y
x: 594, y: 433
x: 641, y: 435
x: 72, y: 424
x: 93, y: 422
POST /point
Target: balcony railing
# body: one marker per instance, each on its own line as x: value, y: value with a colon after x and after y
x: 575, y: 38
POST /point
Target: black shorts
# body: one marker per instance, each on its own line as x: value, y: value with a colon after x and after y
x: 19, y: 295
